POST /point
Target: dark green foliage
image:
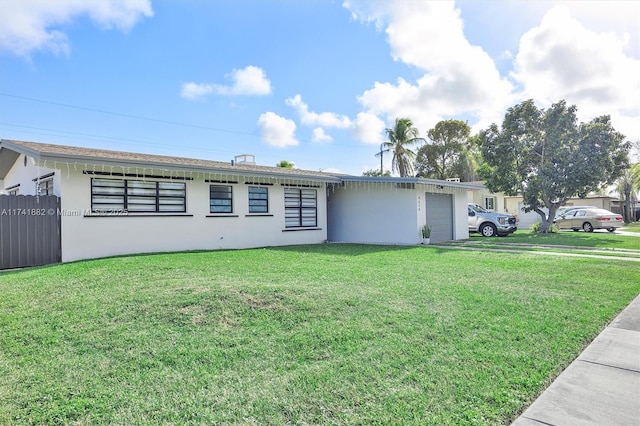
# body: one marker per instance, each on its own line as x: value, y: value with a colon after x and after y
x: 449, y: 153
x: 547, y: 157
x: 377, y: 173
x: 285, y: 164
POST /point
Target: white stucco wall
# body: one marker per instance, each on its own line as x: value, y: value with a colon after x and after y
x: 373, y: 214
x: 86, y: 237
x: 22, y: 175
x: 460, y: 215
x: 382, y: 214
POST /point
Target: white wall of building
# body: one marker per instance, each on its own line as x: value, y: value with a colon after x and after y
x: 85, y: 236
x: 360, y: 212
x: 24, y: 172
x: 460, y: 215
x: 373, y: 214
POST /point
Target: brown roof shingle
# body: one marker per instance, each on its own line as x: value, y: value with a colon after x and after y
x: 52, y: 151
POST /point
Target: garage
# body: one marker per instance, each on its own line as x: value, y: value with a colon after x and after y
x: 439, y: 210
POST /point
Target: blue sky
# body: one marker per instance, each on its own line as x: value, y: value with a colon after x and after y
x: 314, y: 82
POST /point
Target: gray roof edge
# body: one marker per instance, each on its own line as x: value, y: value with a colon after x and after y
x: 9, y: 144
x: 109, y: 162
x: 232, y: 170
x: 419, y: 181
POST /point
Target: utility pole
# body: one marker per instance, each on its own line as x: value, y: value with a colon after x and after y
x: 381, y: 154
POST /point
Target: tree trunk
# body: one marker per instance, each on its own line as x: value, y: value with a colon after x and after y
x: 627, y: 205
x: 545, y: 225
x: 547, y: 220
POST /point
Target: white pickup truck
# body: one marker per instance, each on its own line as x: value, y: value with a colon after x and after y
x: 490, y: 224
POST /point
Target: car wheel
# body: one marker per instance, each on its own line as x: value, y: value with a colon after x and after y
x: 611, y: 229
x: 488, y: 230
x: 587, y: 227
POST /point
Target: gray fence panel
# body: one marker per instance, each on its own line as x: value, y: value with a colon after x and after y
x: 29, y: 230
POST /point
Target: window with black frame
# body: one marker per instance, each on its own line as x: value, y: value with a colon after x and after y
x: 220, y: 199
x: 45, y: 187
x: 258, y: 199
x: 137, y: 196
x: 301, y: 207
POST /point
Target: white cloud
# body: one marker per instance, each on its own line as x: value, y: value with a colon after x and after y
x: 459, y: 78
x: 30, y: 25
x: 561, y: 59
x: 320, y: 136
x: 596, y: 68
x: 368, y: 128
x: 277, y: 131
x: 324, y: 119
x: 249, y: 81
x: 194, y: 91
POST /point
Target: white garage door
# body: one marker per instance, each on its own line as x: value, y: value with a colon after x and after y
x: 439, y: 208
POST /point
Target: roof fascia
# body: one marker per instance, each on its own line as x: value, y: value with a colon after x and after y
x: 7, y: 144
x: 176, y: 167
x: 419, y: 181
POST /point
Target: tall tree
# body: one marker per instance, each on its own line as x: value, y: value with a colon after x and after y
x: 401, y: 136
x: 448, y: 152
x: 628, y: 186
x: 286, y: 164
x: 547, y: 157
x: 625, y: 187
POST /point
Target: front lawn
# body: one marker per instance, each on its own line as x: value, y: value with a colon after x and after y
x: 632, y: 227
x: 598, y: 239
x: 327, y: 334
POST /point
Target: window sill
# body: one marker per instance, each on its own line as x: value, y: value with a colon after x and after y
x: 222, y: 215
x: 138, y: 215
x: 258, y: 215
x: 301, y: 229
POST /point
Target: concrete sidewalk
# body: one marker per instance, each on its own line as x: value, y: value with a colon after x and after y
x: 602, y: 386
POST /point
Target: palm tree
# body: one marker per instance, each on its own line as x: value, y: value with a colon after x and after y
x: 401, y: 136
x: 628, y: 184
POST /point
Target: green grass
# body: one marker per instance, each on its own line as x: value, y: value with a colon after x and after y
x: 632, y: 227
x: 327, y: 334
x: 598, y: 239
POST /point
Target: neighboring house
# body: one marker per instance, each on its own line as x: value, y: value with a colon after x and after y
x: 495, y: 202
x: 514, y: 204
x: 114, y: 203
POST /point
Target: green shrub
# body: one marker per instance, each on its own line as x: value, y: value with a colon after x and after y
x: 535, y: 228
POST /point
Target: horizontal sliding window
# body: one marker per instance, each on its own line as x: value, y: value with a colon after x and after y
x: 301, y: 207
x: 137, y: 196
x: 220, y: 199
x: 258, y: 199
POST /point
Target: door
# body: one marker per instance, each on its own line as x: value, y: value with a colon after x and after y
x: 439, y: 211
